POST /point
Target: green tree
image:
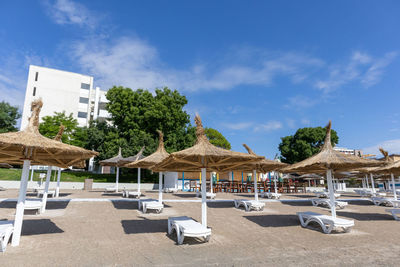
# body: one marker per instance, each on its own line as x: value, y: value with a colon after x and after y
x: 137, y: 115
x: 73, y: 134
x: 304, y: 143
x: 8, y: 117
x: 217, y: 139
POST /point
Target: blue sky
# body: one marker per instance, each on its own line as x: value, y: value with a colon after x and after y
x: 254, y: 70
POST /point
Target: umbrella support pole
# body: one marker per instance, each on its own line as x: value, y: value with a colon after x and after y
x: 32, y: 174
x: 117, y: 180
x: 276, y: 189
x: 211, y: 183
x: 255, y: 185
x: 19, y: 214
x: 46, y: 189
x: 138, y: 180
x: 203, y: 197
x: 160, y: 186
x: 394, y: 187
x: 58, y: 182
x: 372, y: 183
x: 331, y: 193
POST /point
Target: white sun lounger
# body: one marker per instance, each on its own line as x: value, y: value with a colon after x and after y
x: 324, y: 194
x: 187, y: 227
x: 208, y: 195
x: 128, y: 194
x: 2, y: 188
x: 249, y: 204
x: 327, y: 223
x: 110, y: 190
x: 385, y: 201
x: 6, y: 230
x: 51, y: 193
x: 33, y: 204
x: 395, y: 213
x: 150, y: 204
x: 170, y: 190
x: 271, y: 195
x: 327, y: 203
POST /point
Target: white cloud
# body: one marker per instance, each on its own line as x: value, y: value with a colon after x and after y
x: 70, y: 12
x: 269, y: 126
x: 361, y: 68
x: 392, y: 146
x: 238, y: 126
x: 300, y: 102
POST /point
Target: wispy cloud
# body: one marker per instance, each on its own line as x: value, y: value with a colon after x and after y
x: 361, y: 67
x: 269, y: 126
x: 70, y: 12
x: 392, y: 146
x: 238, y: 126
x: 300, y: 102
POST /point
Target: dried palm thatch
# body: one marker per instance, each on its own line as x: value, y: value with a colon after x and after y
x: 386, y: 161
x: 148, y: 162
x: 29, y: 144
x: 262, y: 166
x: 205, y: 155
x: 390, y: 167
x: 330, y: 159
x: 134, y: 158
x: 5, y: 166
x: 114, y: 161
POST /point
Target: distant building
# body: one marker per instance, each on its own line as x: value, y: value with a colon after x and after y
x: 64, y: 91
x: 355, y: 152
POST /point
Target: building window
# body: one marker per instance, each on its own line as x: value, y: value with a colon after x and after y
x: 82, y: 115
x: 84, y: 100
x: 34, y: 91
x: 85, y: 86
x: 36, y: 76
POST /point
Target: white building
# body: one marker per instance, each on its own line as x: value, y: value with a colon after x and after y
x: 349, y: 151
x: 63, y: 91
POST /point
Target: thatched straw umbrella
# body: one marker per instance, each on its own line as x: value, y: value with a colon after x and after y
x: 391, y: 168
x: 30, y: 147
x: 371, y: 170
x: 328, y: 160
x: 5, y: 165
x: 131, y: 159
x: 263, y: 166
x: 150, y: 161
x: 202, y: 156
x: 114, y: 162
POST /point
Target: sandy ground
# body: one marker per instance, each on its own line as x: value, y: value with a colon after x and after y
x: 115, y: 233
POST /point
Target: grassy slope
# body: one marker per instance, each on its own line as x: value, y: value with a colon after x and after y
x: 15, y: 175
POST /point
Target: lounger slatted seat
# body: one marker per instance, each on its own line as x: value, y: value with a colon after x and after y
x: 128, y: 194
x: 110, y: 190
x: 395, y: 213
x: 50, y: 193
x: 187, y: 227
x: 208, y: 195
x: 327, y: 223
x: 150, y: 204
x: 327, y: 203
x: 6, y: 230
x: 324, y: 194
x: 249, y: 204
x: 271, y: 195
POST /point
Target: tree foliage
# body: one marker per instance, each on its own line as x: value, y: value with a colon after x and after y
x: 8, y: 117
x: 304, y: 143
x: 217, y: 139
x: 72, y: 135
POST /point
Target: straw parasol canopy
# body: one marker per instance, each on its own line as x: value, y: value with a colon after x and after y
x: 205, y: 155
x: 386, y: 161
x: 263, y: 165
x: 134, y: 158
x: 158, y: 156
x: 390, y: 166
x: 29, y: 144
x: 114, y: 161
x: 330, y: 159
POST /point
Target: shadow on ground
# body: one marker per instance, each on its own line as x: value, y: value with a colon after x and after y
x: 365, y: 216
x: 144, y: 226
x: 40, y: 227
x: 360, y: 202
x: 56, y: 205
x: 125, y: 205
x: 225, y: 204
x: 274, y: 220
x: 192, y: 195
x: 297, y: 203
